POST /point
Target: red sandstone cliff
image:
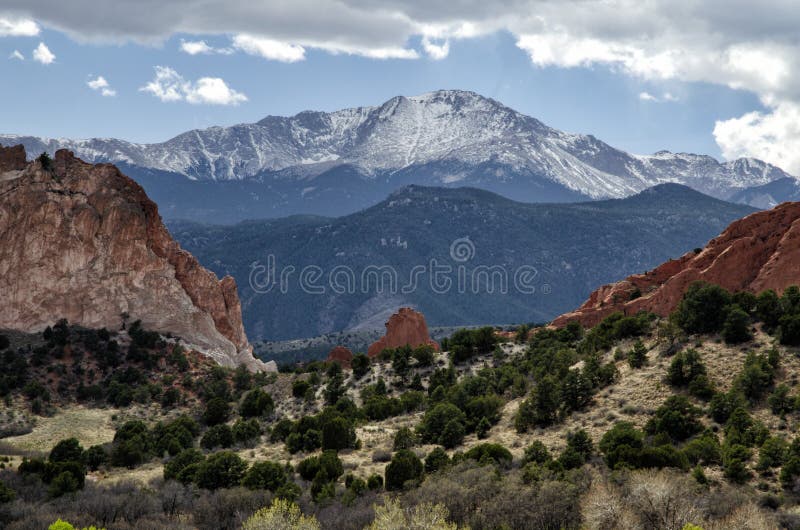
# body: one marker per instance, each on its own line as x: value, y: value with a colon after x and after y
x: 406, y: 327
x: 758, y: 252
x: 85, y: 243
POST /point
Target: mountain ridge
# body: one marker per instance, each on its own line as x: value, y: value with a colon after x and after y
x: 573, y: 247
x: 353, y: 156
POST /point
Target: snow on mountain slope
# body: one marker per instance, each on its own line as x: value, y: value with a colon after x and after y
x: 455, y: 129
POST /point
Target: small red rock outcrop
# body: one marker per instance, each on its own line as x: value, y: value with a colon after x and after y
x: 758, y: 252
x: 340, y: 355
x: 12, y: 158
x: 85, y: 243
x: 406, y: 327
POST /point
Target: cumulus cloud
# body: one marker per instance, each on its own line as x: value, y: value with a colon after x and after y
x: 18, y: 27
x: 43, y: 54
x: 16, y: 54
x: 269, y: 48
x: 99, y: 84
x: 647, y: 96
x: 169, y: 85
x: 200, y: 47
x: 772, y: 136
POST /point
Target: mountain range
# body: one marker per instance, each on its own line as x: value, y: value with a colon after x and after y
x: 566, y: 250
x: 341, y: 162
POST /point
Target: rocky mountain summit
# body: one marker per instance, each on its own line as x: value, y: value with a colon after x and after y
x: 333, y: 163
x: 758, y: 252
x: 85, y: 243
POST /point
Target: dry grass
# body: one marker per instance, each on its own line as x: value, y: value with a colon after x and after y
x: 89, y: 426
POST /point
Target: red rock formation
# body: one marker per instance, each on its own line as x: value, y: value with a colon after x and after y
x: 12, y: 158
x: 760, y: 251
x: 340, y: 355
x: 406, y: 327
x: 85, y: 243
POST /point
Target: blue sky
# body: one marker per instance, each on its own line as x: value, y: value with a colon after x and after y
x: 626, y: 102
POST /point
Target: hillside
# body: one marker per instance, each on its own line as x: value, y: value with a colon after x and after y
x: 635, y: 423
x: 341, y: 162
x: 568, y: 248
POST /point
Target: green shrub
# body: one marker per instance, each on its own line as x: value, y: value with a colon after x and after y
x: 637, y: 357
x: 224, y: 469
x: 773, y: 453
x: 780, y: 402
x: 734, y: 462
x: 217, y: 436
x: 703, y: 308
x: 246, y: 431
x: 216, y: 412
x: 257, y: 403
x: 437, y: 459
x: 375, y: 482
x: 300, y: 387
x: 404, y: 467
x: 404, y: 438
x: 360, y: 365
x: 265, y: 475
x: 489, y: 453
x: 737, y: 326
x: 790, y: 330
x: 677, y: 418
x: 621, y: 445
x: 452, y: 434
x: 338, y: 433
x: 432, y: 426
x: 95, y: 457
x: 69, y: 450
x: 536, y: 452
x: 175, y: 468
x: 705, y: 449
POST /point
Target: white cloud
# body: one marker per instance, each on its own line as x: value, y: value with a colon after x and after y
x: 169, y: 85
x: 434, y: 50
x: 43, y: 54
x: 196, y: 47
x: 668, y: 96
x: 99, y: 84
x: 18, y: 27
x: 16, y: 54
x: 269, y: 49
x: 772, y: 136
x: 647, y: 96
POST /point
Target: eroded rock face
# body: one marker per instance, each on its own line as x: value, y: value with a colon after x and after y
x: 406, y: 327
x: 12, y: 158
x: 340, y: 355
x: 85, y: 243
x: 759, y: 252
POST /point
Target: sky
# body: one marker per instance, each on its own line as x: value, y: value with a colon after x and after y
x: 714, y: 77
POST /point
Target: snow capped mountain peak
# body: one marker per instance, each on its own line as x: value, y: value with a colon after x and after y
x: 441, y: 137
